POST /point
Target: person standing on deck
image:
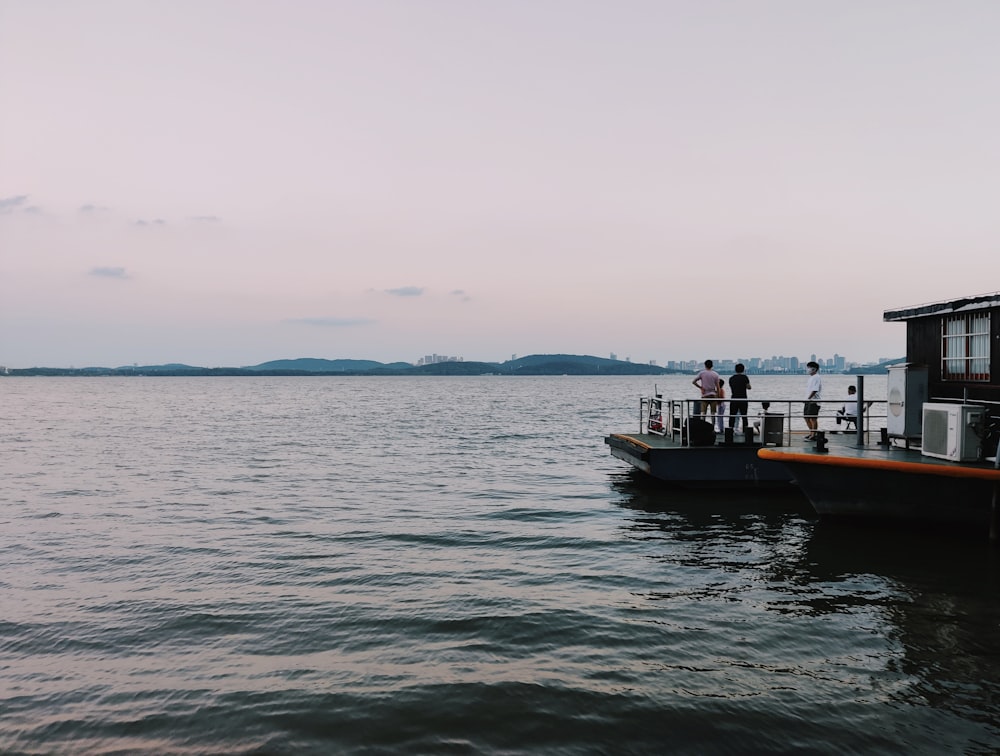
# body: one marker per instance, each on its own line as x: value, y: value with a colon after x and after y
x: 739, y: 384
x: 814, y: 389
x: 708, y: 383
x: 720, y: 413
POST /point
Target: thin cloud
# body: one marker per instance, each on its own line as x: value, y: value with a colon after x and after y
x: 109, y: 272
x: 13, y: 204
x: 461, y: 293
x: 406, y: 291
x: 333, y: 322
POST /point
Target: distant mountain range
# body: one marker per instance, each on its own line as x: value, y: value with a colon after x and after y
x: 538, y: 364
x: 316, y: 365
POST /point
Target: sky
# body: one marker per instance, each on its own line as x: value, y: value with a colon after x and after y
x: 227, y: 182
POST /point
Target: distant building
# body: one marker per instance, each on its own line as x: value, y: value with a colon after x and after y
x: 775, y: 364
x: 433, y: 359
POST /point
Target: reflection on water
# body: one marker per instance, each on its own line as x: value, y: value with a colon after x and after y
x: 942, y: 605
x: 899, y: 619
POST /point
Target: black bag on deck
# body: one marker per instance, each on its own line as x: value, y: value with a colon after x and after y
x: 700, y: 432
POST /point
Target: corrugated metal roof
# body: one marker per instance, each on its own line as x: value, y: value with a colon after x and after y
x: 979, y: 302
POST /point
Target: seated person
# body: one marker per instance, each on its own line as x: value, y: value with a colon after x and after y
x: 848, y: 414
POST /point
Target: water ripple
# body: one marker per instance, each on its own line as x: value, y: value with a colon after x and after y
x: 256, y: 566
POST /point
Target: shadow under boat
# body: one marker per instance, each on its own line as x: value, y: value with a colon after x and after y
x: 644, y: 493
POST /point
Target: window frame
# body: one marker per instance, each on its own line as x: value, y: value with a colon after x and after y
x: 965, y: 345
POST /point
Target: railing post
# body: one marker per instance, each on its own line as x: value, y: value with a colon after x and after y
x: 995, y: 508
x: 788, y: 412
x: 859, y: 413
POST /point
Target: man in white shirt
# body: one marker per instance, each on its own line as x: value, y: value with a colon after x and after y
x: 814, y: 389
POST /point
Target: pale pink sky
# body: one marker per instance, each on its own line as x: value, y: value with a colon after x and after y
x: 232, y: 181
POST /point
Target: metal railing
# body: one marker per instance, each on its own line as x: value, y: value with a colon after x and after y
x: 772, y: 421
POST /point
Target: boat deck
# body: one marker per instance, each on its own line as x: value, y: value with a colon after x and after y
x: 655, y: 441
x: 843, y: 451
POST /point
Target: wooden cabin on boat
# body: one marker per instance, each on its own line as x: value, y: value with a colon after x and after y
x: 958, y: 342
x: 947, y: 399
x: 953, y: 361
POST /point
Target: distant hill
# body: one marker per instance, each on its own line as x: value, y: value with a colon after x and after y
x: 540, y: 359
x: 575, y: 364
x: 536, y: 364
x: 877, y: 369
x: 316, y: 365
x: 169, y: 367
x: 456, y: 368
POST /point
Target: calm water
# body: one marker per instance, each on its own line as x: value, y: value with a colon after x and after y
x: 434, y: 565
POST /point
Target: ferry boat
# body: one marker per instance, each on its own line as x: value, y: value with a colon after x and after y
x: 936, y: 461
x: 674, y: 444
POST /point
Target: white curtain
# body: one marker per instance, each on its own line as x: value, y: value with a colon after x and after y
x: 966, y: 347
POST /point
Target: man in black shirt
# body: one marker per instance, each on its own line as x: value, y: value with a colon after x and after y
x: 739, y: 384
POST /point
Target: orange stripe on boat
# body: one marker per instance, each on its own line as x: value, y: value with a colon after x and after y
x: 912, y: 468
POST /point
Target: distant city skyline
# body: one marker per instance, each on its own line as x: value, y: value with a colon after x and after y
x: 778, y: 363
x: 773, y: 363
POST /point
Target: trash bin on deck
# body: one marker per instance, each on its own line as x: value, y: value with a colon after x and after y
x: 772, y: 429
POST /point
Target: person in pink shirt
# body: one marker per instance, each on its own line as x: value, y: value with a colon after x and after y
x: 707, y: 382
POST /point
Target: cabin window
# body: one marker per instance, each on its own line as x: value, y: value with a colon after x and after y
x: 965, y: 347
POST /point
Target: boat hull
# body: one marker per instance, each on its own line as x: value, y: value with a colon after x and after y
x: 893, y: 485
x: 719, y: 466
x: 926, y: 499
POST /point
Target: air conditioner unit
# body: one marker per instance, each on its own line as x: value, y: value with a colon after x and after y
x: 949, y: 431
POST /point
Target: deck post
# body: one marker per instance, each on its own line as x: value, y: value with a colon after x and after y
x: 995, y: 507
x: 995, y: 516
x: 859, y: 426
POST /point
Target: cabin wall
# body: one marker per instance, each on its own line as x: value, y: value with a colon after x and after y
x: 923, y: 347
